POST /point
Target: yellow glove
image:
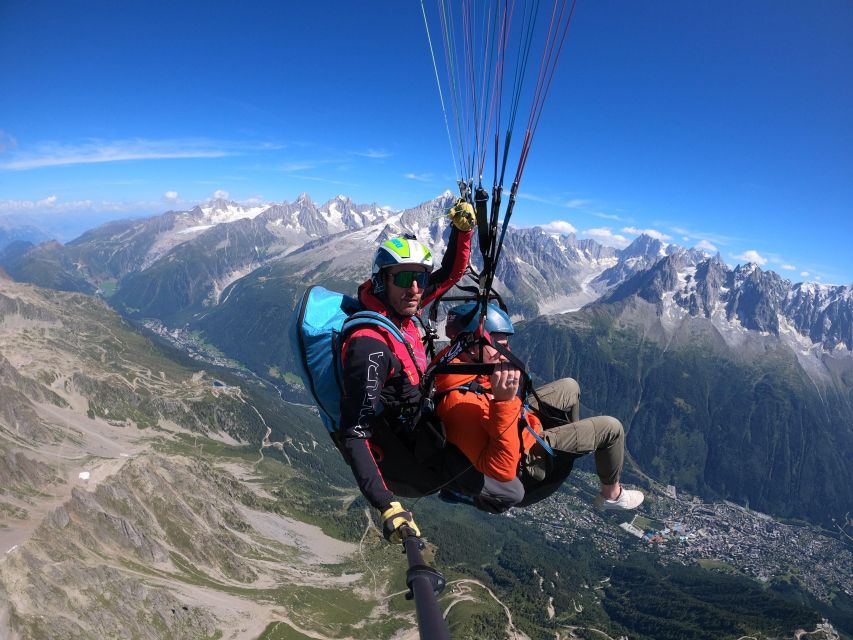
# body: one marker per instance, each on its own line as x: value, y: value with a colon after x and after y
x: 462, y: 215
x: 395, y: 517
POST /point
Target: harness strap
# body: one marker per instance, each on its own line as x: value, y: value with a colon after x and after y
x: 473, y: 386
x: 536, y: 436
x: 372, y: 318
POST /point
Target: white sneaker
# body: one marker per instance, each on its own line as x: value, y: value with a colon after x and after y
x: 627, y: 500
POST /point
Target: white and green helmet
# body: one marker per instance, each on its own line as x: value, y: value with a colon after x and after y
x: 400, y: 250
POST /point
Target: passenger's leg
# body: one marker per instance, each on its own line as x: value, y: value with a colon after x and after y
x: 543, y: 474
x: 497, y: 496
x: 560, y: 402
x: 487, y: 493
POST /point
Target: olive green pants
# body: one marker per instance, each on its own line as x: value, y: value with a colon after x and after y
x: 541, y: 473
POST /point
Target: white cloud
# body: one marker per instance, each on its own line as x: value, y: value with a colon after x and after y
x: 605, y: 236
x: 788, y: 267
x: 606, y: 216
x: 559, y: 226
x: 752, y: 256
x: 805, y: 274
x: 577, y: 203
x: 704, y: 245
x: 221, y: 194
x: 574, y: 203
x: 523, y: 195
x: 7, y: 141
x: 654, y: 233
x: 326, y: 180
x: 419, y: 177
x: 171, y: 196
x: 27, y: 205
x: 373, y: 153
x: 716, y: 238
x: 290, y: 167
x: 54, y: 205
x: 52, y: 154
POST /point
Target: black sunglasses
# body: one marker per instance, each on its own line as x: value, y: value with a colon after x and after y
x: 405, y: 279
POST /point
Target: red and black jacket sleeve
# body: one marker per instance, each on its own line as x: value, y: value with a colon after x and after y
x: 453, y: 265
x: 368, y: 362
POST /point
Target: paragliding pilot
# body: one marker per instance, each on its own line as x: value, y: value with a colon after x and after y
x: 383, y: 435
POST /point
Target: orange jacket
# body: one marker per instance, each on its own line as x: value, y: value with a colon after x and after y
x: 485, y: 430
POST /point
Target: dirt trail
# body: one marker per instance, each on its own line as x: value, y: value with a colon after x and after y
x: 512, y: 632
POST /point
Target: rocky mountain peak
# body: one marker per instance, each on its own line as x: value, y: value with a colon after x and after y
x: 643, y: 253
x: 650, y: 284
x: 643, y: 246
x: 220, y: 204
x: 822, y: 312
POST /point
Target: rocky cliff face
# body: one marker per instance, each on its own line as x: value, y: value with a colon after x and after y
x: 156, y: 501
x: 745, y: 297
x: 742, y: 417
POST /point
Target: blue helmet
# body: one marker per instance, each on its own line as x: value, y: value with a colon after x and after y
x: 497, y: 321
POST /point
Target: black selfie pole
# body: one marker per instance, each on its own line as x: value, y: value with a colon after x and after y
x: 424, y: 583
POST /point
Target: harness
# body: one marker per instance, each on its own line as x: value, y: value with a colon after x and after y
x: 475, y: 387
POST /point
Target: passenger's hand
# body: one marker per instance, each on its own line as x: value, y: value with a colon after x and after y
x: 395, y: 518
x: 505, y: 381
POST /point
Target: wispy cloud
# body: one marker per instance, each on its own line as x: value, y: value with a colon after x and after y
x: 606, y: 236
x: 704, y: 245
x: 523, y: 195
x: 10, y: 206
x: 606, y: 216
x: 7, y: 141
x: 54, y: 154
x: 99, y: 151
x: 654, y: 233
x: 170, y: 196
x: 788, y: 267
x: 325, y: 180
x: 372, y: 153
x: 805, y: 274
x: 305, y: 165
x: 53, y: 205
x: 577, y: 203
x: 704, y: 236
x: 221, y: 194
x: 573, y: 203
x: 559, y: 226
x: 419, y: 177
x: 752, y: 256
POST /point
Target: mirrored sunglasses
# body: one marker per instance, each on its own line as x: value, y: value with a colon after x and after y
x: 405, y: 279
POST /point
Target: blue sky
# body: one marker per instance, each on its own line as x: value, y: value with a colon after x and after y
x: 727, y: 125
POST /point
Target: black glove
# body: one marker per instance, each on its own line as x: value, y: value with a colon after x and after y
x: 396, y: 400
x: 393, y: 519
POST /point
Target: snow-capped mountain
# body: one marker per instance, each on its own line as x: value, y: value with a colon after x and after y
x: 745, y: 298
x: 180, y: 264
